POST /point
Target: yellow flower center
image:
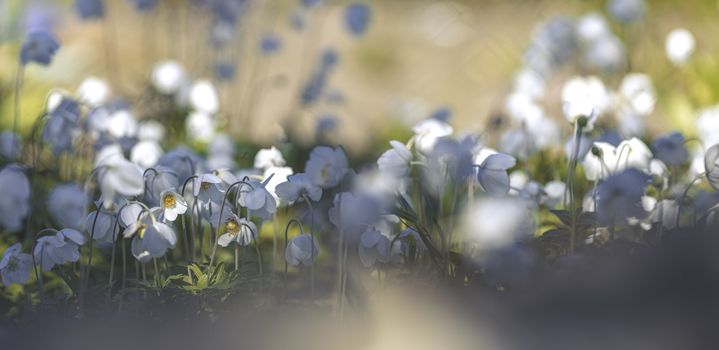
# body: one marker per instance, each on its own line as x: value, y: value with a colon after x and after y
x: 233, y: 227
x: 169, y: 201
x: 204, y: 186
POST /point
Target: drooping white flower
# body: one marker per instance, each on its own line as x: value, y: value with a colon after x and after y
x: 327, y: 166
x: 100, y: 225
x: 58, y: 249
x: 122, y: 124
x: 67, y: 204
x: 276, y: 176
x: 592, y: 27
x: 428, y: 131
x: 241, y: 231
x: 302, y: 250
x: 93, y: 91
x: 679, y: 46
x: 605, y: 159
x: 257, y: 199
x: 204, y: 98
x: 200, y: 126
x: 297, y: 187
x: 395, y: 161
x: 172, y: 204
x: 146, y: 154
x: 206, y: 188
x: 638, y: 93
x: 151, y: 238
x: 14, y: 201
x: 168, y: 77
x: 117, y: 175
x: 584, y: 97
x: 15, y: 265
x: 269, y: 157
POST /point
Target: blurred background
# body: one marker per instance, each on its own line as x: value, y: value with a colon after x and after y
x: 417, y: 56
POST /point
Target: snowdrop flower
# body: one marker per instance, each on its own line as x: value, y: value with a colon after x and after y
x: 172, y: 204
x: 241, y: 231
x: 327, y: 166
x: 100, y: 225
x: 93, y: 91
x: 9, y: 145
x: 396, y: 161
x: 39, y: 47
x: 670, y: 149
x: 269, y: 157
x: 200, y: 126
x: 90, y: 9
x: 158, y: 181
x: 204, y: 98
x: 357, y: 17
x: 168, y: 77
x: 302, y: 250
x: 117, y: 175
x: 146, y: 154
x: 427, y: 132
x: 374, y: 247
x: 15, y: 199
x: 638, y: 92
x: 627, y: 11
x: 274, y: 177
x: 67, y: 204
x: 707, y: 125
x: 151, y: 130
x: 15, y: 265
x: 492, y: 173
x: 183, y: 161
x: 679, y: 46
x: 61, y: 248
x: 592, y: 27
x: 298, y: 187
x: 493, y: 223
x: 152, y: 238
x: 619, y: 197
x: 584, y: 97
x: 257, y: 199
x: 206, y: 188
x: 605, y: 159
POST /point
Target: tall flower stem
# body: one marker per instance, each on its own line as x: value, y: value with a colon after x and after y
x: 569, y: 201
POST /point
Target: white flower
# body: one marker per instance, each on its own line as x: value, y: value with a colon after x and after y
x: 15, y: 265
x: 241, y: 231
x: 122, y: 124
x: 427, y: 132
x: 203, y: 97
x: 103, y: 231
x: 14, y: 202
x: 168, y: 77
x: 707, y: 125
x: 93, y: 91
x: 118, y: 175
x: 172, y: 205
x: 679, y: 46
x: 326, y: 166
x: 374, y: 246
x: 297, y: 187
x: 257, y: 199
x: 554, y: 192
x: 152, y: 238
x: 200, y: 126
x: 395, y: 161
x: 638, y: 92
x: 494, y: 223
x: 632, y: 153
x: 592, y: 27
x: 58, y: 249
x: 206, y: 188
x: 146, y: 154
x: 584, y: 97
x: 151, y: 130
x: 302, y: 250
x: 276, y: 176
x: 268, y: 157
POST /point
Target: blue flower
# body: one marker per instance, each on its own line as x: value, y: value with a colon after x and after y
x: 39, y: 47
x: 670, y: 149
x: 62, y: 126
x: 15, y: 199
x: 619, y: 197
x: 310, y: 3
x: 627, y: 11
x: 90, y: 9
x: 225, y: 71
x: 327, y: 166
x: 270, y: 43
x: 144, y: 5
x: 298, y: 187
x: 443, y: 114
x: 357, y: 18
